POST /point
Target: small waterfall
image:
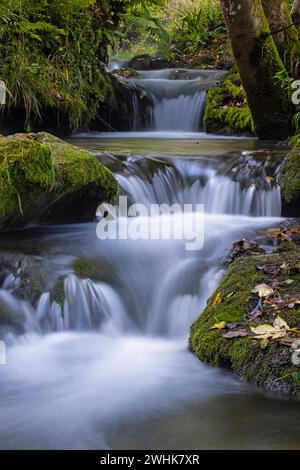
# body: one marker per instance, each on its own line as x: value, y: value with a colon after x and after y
x: 219, y: 193
x: 152, y: 277
x: 116, y: 64
x: 88, y: 306
x: 178, y: 98
x: 183, y: 113
x: 114, y: 349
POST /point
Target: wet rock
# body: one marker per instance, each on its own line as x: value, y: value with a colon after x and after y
x: 180, y: 75
x: 242, y: 248
x: 281, y: 358
x: 140, y: 62
x: 130, y: 109
x: 264, y: 362
x: 126, y: 73
x: 28, y: 276
x: 45, y: 179
x: 273, y: 385
x: 146, y: 62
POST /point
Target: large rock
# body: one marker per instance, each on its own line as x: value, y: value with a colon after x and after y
x: 129, y: 110
x: 234, y: 308
x: 43, y: 179
x: 146, y: 62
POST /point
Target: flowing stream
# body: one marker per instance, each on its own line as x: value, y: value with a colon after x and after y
x: 177, y: 98
x: 108, y: 365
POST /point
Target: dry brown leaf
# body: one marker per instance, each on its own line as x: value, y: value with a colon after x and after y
x: 296, y: 344
x: 286, y: 341
x: 236, y: 334
x: 280, y: 324
x: 279, y: 334
x: 265, y: 331
x: 263, y: 290
x: 296, y: 357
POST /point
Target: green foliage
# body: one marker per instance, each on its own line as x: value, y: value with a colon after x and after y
x: 171, y: 27
x: 52, y: 55
x: 143, y: 21
x: 199, y: 27
x: 285, y: 81
x: 296, y: 122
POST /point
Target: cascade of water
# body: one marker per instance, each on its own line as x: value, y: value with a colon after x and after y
x: 117, y: 346
x: 218, y: 193
x: 177, y: 104
x: 182, y: 113
x: 100, y: 306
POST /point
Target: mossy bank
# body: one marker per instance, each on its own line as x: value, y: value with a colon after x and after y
x: 290, y: 178
x: 227, y: 112
x: 43, y: 179
x: 234, y: 308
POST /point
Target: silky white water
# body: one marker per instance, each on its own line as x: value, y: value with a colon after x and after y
x: 178, y: 98
x: 115, y: 353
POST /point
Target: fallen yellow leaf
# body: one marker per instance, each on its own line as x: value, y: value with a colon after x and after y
x: 218, y: 299
x: 219, y: 326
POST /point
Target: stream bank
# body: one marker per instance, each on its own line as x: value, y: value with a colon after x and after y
x: 251, y: 322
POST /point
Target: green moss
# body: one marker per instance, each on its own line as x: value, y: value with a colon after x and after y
x: 222, y: 115
x: 26, y: 171
x: 87, y: 268
x: 235, y: 90
x: 76, y: 170
x: 290, y: 176
x: 253, y: 361
x: 43, y: 178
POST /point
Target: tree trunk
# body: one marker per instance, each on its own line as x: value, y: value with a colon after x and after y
x: 287, y: 41
x: 258, y: 62
x: 296, y: 12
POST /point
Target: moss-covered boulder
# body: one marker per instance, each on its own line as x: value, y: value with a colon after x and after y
x: 222, y: 335
x: 290, y: 173
x: 147, y: 62
x: 45, y: 179
x: 226, y: 110
x: 28, y: 276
